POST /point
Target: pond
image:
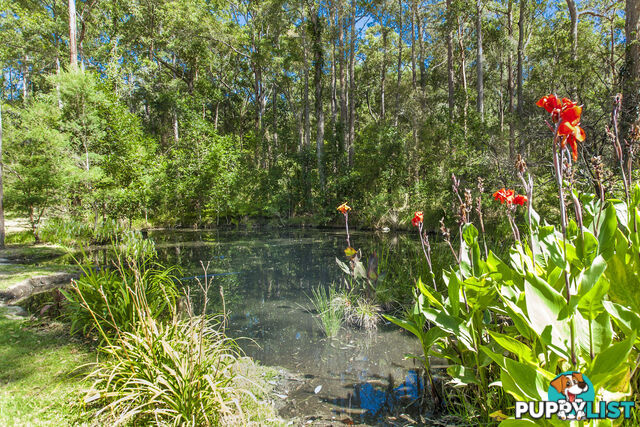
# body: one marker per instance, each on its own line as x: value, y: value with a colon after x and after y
x: 267, y: 279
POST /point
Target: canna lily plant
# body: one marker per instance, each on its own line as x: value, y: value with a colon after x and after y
x: 565, y: 300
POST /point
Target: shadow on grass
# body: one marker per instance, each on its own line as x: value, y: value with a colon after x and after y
x: 38, y: 352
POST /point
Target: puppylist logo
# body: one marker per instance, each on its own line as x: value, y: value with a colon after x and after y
x: 571, y: 397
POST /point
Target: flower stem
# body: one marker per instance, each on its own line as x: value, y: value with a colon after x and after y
x: 563, y: 222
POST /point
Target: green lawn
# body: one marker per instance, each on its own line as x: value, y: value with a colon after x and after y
x: 40, y: 379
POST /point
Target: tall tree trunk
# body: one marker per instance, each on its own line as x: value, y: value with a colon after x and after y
x: 631, y: 77
x: 305, y: 58
x: 399, y: 69
x: 510, y: 85
x: 413, y: 39
x: 344, y: 119
x: 479, y: 61
x: 383, y: 73
x: 176, y: 135
x: 450, y: 74
x: 25, y: 78
x: 463, y: 76
x: 352, y: 84
x: 73, y: 50
x: 421, y: 63
x: 318, y: 84
x: 1, y: 185
x: 573, y: 13
x: 523, y: 5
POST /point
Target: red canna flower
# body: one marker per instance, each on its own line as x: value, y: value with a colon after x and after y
x: 417, y: 218
x: 571, y: 134
x: 504, y: 196
x: 344, y: 208
x: 549, y: 103
x: 571, y: 114
x: 520, y: 200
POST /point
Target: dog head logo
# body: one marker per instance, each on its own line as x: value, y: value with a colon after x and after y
x: 574, y: 389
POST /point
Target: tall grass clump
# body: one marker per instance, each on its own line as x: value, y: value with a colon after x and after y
x: 156, y: 365
x: 108, y: 298
x: 330, y: 308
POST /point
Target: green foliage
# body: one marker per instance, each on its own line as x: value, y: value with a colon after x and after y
x: 74, y: 232
x: 178, y: 372
x: 107, y: 301
x: 547, y: 332
x: 36, y: 159
x: 330, y: 308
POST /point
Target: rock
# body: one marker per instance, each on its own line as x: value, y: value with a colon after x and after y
x: 14, y: 312
x: 35, y: 285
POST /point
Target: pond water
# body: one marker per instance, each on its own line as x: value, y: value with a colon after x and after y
x: 267, y: 278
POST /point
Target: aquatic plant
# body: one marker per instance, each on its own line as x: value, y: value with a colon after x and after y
x: 330, y: 307
x: 565, y: 300
x: 365, y: 314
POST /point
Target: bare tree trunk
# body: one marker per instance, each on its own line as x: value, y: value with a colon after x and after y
x: 383, y: 73
x: 631, y: 77
x: 176, y: 135
x: 305, y: 58
x: 352, y: 85
x: 463, y: 72
x: 399, y: 69
x: 573, y: 13
x: 450, y: 75
x: 73, y: 50
x: 413, y: 39
x: 274, y: 108
x: 510, y: 85
x: 58, y: 83
x: 25, y: 79
x: 500, y: 99
x: 1, y: 185
x: 344, y: 135
x: 421, y: 66
x: 523, y: 4
x: 479, y: 61
x: 318, y: 84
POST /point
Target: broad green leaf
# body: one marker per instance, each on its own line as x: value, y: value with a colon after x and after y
x: 514, y: 346
x: 462, y: 376
x: 627, y: 320
x: 593, y: 288
x: 606, y: 233
x: 404, y: 324
x: 453, y: 288
x: 610, y: 360
x: 430, y: 295
x: 544, y: 305
x: 450, y: 324
x: 528, y: 381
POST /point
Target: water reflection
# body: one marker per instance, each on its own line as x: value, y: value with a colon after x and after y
x: 266, y: 279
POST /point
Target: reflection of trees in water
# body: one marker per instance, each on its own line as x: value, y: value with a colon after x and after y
x: 286, y: 264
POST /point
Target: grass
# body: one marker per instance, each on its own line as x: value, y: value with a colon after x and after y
x: 40, y: 383
x: 330, y: 308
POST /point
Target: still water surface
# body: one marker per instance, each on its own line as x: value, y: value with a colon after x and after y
x: 267, y: 278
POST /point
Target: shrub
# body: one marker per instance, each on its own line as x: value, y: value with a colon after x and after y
x: 107, y: 300
x: 179, y: 372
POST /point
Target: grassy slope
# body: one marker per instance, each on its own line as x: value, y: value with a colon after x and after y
x: 40, y: 383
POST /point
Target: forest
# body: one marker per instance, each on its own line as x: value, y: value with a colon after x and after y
x: 196, y: 113
x: 261, y: 212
